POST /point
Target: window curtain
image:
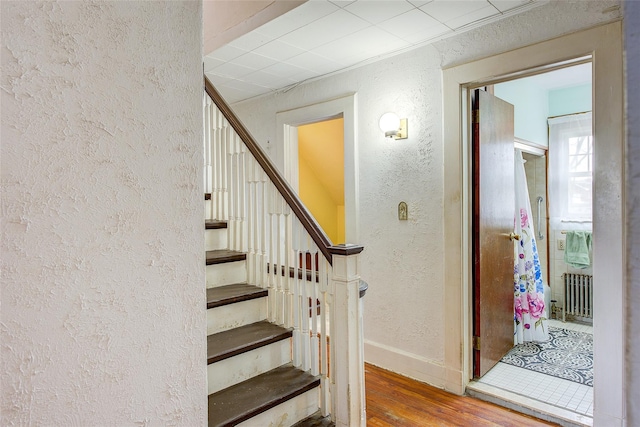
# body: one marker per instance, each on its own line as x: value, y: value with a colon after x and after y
x: 565, y: 203
x: 530, y: 313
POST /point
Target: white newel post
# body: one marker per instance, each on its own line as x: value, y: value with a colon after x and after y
x: 347, y: 340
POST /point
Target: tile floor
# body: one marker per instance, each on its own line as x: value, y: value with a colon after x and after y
x: 539, y: 387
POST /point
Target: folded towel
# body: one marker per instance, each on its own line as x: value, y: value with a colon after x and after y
x: 578, y: 248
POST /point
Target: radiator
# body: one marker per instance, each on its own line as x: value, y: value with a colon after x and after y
x: 578, y: 295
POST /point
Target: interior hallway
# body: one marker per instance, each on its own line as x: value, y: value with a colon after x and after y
x: 394, y: 400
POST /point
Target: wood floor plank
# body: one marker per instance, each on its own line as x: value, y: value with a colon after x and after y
x: 394, y: 400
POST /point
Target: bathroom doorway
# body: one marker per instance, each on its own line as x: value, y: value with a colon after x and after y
x: 553, y: 370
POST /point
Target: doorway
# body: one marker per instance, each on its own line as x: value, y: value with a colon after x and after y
x: 286, y: 150
x: 549, y: 361
x: 604, y: 43
x: 321, y: 174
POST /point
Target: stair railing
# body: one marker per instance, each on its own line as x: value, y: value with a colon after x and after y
x: 314, y: 287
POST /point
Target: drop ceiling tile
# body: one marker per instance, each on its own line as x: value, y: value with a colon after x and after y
x: 343, y: 54
x: 246, y: 86
x: 217, y: 80
x: 378, y: 11
x: 251, y: 40
x: 418, y: 3
x: 472, y: 17
x: 298, y: 17
x: 414, y: 26
x: 270, y: 81
x: 314, y: 62
x: 232, y: 70
x: 254, y: 61
x: 282, y: 69
x: 210, y: 63
x: 356, y: 47
x: 324, y: 30
x: 227, y: 53
x: 232, y: 95
x: 304, y: 75
x: 446, y: 10
x: 278, y: 50
x: 342, y: 3
x: 504, y: 5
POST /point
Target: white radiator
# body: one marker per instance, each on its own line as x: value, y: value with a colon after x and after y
x: 578, y: 295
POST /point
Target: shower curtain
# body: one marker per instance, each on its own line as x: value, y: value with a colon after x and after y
x: 530, y: 319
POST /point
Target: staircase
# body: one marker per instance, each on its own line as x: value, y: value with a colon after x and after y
x: 284, y: 315
x: 251, y: 380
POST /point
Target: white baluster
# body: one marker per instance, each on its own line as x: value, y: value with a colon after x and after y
x: 250, y: 222
x: 263, y: 231
x: 315, y: 348
x: 325, y: 397
x: 287, y: 283
x: 279, y: 273
x: 297, y: 347
x: 304, y: 324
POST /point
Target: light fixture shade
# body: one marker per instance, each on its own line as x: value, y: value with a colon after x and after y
x: 389, y: 124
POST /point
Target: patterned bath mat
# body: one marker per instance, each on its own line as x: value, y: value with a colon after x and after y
x: 567, y: 354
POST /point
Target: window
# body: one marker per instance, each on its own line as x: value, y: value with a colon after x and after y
x: 580, y: 162
x: 570, y: 168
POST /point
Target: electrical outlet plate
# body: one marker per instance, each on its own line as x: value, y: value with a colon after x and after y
x: 561, y: 244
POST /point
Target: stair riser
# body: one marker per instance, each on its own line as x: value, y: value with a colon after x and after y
x: 234, y: 370
x: 226, y: 273
x: 215, y: 239
x: 235, y: 315
x: 287, y: 413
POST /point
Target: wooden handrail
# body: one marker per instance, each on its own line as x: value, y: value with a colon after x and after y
x: 296, y: 205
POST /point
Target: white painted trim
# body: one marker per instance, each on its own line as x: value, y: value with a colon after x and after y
x: 411, y: 365
x: 286, y: 150
x: 605, y: 44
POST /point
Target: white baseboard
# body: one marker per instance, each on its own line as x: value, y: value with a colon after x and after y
x: 411, y: 365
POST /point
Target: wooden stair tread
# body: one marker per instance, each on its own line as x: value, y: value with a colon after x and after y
x: 247, y: 399
x: 245, y: 338
x: 315, y: 420
x: 220, y: 256
x: 229, y: 294
x: 212, y: 224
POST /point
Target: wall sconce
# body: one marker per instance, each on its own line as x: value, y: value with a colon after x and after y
x: 393, y: 126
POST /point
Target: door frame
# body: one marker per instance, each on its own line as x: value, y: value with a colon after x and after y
x: 604, y: 45
x: 286, y: 149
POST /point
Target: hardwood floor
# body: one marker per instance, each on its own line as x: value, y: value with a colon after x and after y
x: 394, y: 400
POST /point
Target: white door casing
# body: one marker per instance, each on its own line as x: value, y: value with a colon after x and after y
x: 604, y: 45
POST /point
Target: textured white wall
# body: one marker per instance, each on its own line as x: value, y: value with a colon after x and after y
x: 403, y: 260
x: 400, y: 261
x: 632, y: 41
x: 103, y: 318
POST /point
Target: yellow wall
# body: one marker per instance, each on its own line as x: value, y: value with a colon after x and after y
x: 321, y: 174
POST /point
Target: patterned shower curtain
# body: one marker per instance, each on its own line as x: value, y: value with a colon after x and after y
x: 530, y: 317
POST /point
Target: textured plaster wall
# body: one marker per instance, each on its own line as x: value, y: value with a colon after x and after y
x: 102, y: 319
x: 632, y: 40
x: 403, y: 260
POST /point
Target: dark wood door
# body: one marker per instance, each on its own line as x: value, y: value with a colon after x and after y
x: 493, y: 222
